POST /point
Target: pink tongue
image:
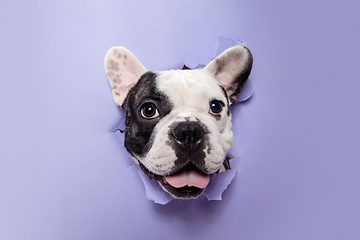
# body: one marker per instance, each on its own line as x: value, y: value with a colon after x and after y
x: 188, y: 177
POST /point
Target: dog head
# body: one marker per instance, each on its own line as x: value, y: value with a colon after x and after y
x: 178, y: 122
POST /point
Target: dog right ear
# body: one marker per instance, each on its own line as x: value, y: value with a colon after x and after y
x: 123, y: 70
x: 232, y: 68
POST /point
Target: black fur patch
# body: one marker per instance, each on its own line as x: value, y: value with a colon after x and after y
x: 138, y: 129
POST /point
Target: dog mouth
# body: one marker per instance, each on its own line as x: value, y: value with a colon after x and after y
x: 187, y: 183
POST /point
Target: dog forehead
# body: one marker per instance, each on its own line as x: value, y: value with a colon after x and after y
x: 190, y: 86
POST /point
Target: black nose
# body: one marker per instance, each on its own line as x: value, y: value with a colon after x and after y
x: 188, y: 135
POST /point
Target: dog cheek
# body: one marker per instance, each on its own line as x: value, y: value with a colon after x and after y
x: 161, y: 157
x: 216, y: 149
x: 160, y: 160
x: 222, y: 131
x: 214, y: 160
x: 137, y: 139
x: 227, y: 136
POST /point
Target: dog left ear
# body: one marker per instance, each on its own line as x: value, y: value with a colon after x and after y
x: 232, y: 68
x: 123, y: 70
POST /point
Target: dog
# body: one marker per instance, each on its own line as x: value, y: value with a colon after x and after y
x: 178, y: 123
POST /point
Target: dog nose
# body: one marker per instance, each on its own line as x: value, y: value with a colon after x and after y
x: 188, y: 135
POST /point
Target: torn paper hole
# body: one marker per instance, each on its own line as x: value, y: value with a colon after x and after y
x: 218, y: 182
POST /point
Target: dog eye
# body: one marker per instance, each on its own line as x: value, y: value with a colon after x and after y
x: 216, y: 106
x: 149, y: 111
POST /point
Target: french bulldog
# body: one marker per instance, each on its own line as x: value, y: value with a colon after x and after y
x: 178, y: 123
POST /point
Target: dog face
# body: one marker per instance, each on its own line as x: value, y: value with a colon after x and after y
x: 178, y: 122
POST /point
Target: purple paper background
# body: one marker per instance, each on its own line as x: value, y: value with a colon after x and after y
x: 63, y: 172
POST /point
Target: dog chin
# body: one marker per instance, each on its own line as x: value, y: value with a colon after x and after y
x: 187, y: 183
